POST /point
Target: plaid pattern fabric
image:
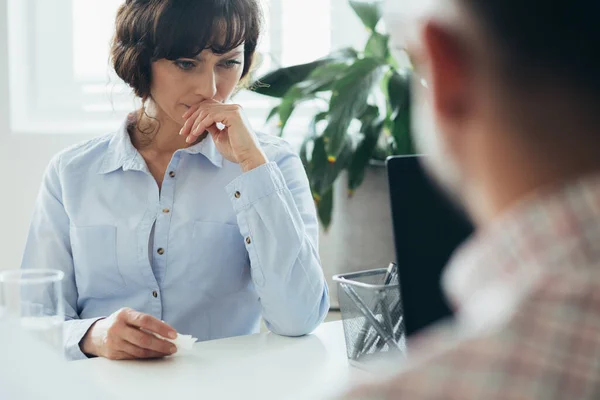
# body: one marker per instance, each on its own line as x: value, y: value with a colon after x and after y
x: 527, y: 294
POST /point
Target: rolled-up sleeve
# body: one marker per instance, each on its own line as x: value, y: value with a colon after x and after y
x: 48, y: 247
x: 277, y: 218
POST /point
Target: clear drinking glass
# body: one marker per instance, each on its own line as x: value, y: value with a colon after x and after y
x: 33, y: 298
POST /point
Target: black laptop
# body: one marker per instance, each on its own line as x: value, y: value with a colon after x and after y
x: 427, y: 231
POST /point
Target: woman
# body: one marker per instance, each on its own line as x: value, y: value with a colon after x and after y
x: 184, y: 215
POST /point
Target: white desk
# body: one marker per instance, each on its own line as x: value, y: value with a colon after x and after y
x: 263, y: 366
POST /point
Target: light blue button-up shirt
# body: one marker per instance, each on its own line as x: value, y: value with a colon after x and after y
x: 210, y: 253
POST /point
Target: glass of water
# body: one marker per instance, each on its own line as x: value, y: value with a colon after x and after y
x: 33, y: 298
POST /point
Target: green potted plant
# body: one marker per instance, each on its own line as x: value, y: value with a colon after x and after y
x: 363, y: 109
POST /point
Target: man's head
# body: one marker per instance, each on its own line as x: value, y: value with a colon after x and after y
x: 506, y: 93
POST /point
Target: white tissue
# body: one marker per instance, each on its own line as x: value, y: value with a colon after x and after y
x: 182, y: 342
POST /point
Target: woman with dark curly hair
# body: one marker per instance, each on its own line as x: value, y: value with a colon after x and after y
x: 186, y: 219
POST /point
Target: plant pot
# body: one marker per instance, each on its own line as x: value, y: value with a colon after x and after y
x: 360, y: 236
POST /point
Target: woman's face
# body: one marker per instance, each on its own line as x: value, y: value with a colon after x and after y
x: 178, y: 85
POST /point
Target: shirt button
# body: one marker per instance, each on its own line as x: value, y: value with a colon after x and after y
x: 160, y: 251
x: 238, y: 195
x: 172, y: 174
x: 155, y: 294
x: 248, y: 240
x: 166, y: 210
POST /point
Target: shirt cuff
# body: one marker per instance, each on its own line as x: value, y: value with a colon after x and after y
x: 254, y: 185
x: 74, y: 331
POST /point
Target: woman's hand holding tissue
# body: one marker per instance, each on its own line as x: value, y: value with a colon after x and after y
x: 121, y: 336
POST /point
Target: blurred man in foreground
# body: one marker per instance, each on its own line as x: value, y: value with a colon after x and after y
x: 507, y: 108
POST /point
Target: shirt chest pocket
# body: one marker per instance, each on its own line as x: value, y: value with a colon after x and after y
x: 219, y: 261
x: 95, y: 260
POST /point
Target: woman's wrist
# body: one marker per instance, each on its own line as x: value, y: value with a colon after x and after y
x: 87, y: 345
x: 253, y: 161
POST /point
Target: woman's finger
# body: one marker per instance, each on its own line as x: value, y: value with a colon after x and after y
x: 138, y: 352
x: 190, y: 111
x: 148, y: 341
x: 203, y: 124
x: 118, y: 355
x: 149, y: 323
x: 199, y: 118
x: 214, y: 130
x: 187, y: 127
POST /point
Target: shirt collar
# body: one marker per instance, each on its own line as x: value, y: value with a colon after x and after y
x: 546, y: 234
x: 122, y: 154
x: 208, y: 149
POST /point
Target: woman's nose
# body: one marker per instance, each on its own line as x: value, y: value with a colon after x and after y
x: 206, y: 85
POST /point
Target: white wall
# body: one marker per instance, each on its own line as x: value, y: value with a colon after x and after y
x: 23, y: 159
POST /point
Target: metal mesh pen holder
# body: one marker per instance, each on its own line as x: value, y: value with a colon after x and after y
x: 371, y: 313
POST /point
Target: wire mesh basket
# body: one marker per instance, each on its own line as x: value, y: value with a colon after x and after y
x: 372, y: 313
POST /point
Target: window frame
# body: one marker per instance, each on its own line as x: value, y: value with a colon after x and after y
x: 63, y: 106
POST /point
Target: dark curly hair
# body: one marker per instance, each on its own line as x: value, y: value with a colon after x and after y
x: 150, y: 30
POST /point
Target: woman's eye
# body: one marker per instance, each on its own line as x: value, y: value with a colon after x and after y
x: 184, y: 65
x: 231, y: 63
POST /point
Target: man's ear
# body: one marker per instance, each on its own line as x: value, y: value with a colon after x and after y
x: 448, y: 72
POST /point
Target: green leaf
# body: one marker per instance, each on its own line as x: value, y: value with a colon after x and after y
x: 349, y: 100
x: 323, y: 170
x: 322, y: 174
x: 363, y: 155
x: 372, y: 126
x: 337, y: 165
x: 312, y: 135
x: 303, y: 154
x: 381, y: 153
x: 378, y: 46
x: 323, y: 78
x: 346, y: 53
x: 287, y: 106
x: 277, y: 83
x: 317, y: 166
x: 370, y: 114
x: 399, y: 92
x: 325, y: 208
x: 274, y: 111
x: 369, y: 12
x: 313, y: 123
x: 401, y: 132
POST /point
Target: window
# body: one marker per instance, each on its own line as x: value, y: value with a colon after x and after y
x: 61, y: 80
